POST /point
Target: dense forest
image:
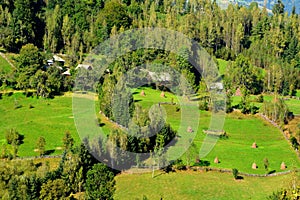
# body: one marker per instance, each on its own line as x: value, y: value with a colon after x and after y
x: 267, y: 45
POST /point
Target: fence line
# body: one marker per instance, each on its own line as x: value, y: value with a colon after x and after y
x: 141, y: 170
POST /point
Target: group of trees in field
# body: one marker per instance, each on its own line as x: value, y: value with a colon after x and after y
x: 77, y: 173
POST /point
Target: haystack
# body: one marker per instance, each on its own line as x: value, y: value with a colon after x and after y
x: 162, y: 94
x: 189, y: 129
x: 216, y: 160
x: 282, y: 166
x: 254, y: 146
x: 254, y: 166
x: 142, y: 93
x: 238, y: 92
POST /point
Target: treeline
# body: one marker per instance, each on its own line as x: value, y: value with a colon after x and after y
x: 78, y: 175
x: 268, y: 43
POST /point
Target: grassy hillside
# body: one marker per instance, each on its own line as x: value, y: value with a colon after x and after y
x: 196, y: 185
x: 236, y: 151
x: 49, y: 118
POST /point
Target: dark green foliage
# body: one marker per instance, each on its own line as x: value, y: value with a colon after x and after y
x: 276, y: 110
x: 100, y: 183
x: 68, y: 141
x: 278, y: 8
x: 235, y: 173
x: 53, y: 190
x: 41, y: 145
x: 294, y: 142
x: 28, y: 63
x: 266, y: 163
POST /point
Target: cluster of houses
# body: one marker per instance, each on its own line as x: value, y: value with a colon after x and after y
x: 60, y: 63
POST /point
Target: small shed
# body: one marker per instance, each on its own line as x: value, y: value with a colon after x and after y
x: 67, y: 73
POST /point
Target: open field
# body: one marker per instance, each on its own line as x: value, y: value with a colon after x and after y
x: 52, y: 117
x: 49, y: 118
x: 197, y: 185
x: 236, y: 151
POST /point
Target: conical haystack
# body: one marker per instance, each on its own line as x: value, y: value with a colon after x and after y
x: 162, y: 94
x: 254, y: 146
x: 189, y: 129
x: 282, y: 166
x: 254, y: 166
x: 142, y: 93
x: 216, y: 160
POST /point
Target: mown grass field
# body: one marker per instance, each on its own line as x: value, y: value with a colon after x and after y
x: 243, y: 131
x: 196, y: 185
x: 49, y: 118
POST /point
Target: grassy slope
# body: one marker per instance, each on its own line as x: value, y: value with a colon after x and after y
x: 235, y: 152
x: 49, y: 118
x: 4, y: 65
x: 222, y: 65
x: 51, y: 121
x: 196, y: 185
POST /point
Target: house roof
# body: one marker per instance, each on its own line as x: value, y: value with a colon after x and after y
x: 67, y: 73
x: 58, y: 59
x: 88, y: 67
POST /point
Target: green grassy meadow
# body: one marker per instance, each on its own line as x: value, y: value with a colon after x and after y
x: 236, y: 151
x: 49, y: 118
x: 222, y: 66
x: 196, y: 185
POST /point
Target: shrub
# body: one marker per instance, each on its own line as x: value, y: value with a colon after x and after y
x: 178, y: 165
x: 260, y: 99
x: 235, y: 173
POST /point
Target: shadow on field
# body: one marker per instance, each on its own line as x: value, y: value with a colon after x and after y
x: 48, y: 152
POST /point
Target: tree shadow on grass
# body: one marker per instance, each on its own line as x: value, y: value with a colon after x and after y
x: 239, y: 178
x: 101, y: 124
x: 48, y: 152
x: 202, y: 163
x: 272, y: 171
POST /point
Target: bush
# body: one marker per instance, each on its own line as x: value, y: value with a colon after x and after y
x: 294, y: 142
x: 235, y: 173
x: 260, y: 99
x: 203, y: 105
x: 178, y: 165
